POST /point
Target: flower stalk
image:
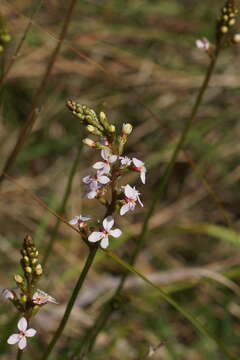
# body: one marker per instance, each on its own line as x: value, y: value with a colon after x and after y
x: 77, y: 288
x: 89, y: 338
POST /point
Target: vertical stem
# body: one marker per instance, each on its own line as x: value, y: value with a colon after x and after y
x: 26, y: 129
x: 19, y: 354
x: 88, y: 340
x: 62, y: 206
x: 78, y: 286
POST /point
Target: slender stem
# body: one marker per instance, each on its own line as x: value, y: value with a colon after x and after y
x: 19, y: 47
x: 62, y: 206
x: 19, y: 354
x: 78, y: 286
x: 26, y: 129
x: 89, y: 339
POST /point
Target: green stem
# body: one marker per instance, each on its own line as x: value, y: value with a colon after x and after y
x: 62, y: 206
x: 89, y: 339
x: 19, y: 354
x: 78, y: 286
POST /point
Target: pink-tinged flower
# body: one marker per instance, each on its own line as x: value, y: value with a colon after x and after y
x: 105, y: 233
x: 104, y: 166
x: 131, y: 196
x: 125, y: 161
x: 94, y: 183
x: 40, y: 298
x: 21, y: 336
x: 203, y: 44
x: 140, y: 166
x: 79, y: 220
x: 8, y: 294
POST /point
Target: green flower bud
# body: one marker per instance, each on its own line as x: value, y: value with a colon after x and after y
x: 112, y: 128
x: 24, y: 298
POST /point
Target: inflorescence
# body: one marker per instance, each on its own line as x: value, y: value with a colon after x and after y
x: 103, y: 184
x: 226, y: 32
x: 25, y: 297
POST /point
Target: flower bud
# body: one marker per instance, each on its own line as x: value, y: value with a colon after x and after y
x: 93, y: 130
x: 112, y: 128
x: 24, y: 298
x: 102, y: 116
x: 224, y: 29
x: 39, y: 269
x: 90, y: 128
x: 89, y: 142
x: 18, y: 279
x: 236, y: 38
x: 127, y: 129
x: 28, y: 269
x: 6, y: 37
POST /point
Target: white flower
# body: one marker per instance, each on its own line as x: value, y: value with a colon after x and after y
x: 94, y: 183
x: 125, y: 161
x: 40, y: 298
x: 22, y: 334
x: 130, y: 199
x: 139, y: 166
x: 8, y: 294
x: 203, y: 44
x: 104, y: 166
x: 105, y: 233
x: 80, y: 220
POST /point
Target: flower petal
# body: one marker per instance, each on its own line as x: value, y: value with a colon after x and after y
x: 87, y: 179
x: 22, y: 343
x: 95, y: 236
x: 108, y: 223
x: 74, y: 221
x: 137, y: 163
x: 30, y: 332
x: 125, y: 208
x: 91, y: 194
x: 129, y: 192
x: 7, y: 294
x: 143, y: 176
x: 139, y: 200
x: 98, y: 165
x: 103, y: 179
x: 105, y: 153
x: 104, y: 242
x: 115, y: 233
x: 22, y: 324
x: 112, y: 158
x: 13, y: 339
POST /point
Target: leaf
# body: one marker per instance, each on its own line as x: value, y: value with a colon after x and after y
x: 216, y: 231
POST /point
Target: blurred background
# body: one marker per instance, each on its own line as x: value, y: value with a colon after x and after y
x: 136, y: 61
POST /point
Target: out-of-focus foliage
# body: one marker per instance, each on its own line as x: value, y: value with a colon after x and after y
x: 137, y: 61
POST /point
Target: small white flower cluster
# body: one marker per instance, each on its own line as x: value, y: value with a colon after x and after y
x: 39, y: 298
x: 111, y: 167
